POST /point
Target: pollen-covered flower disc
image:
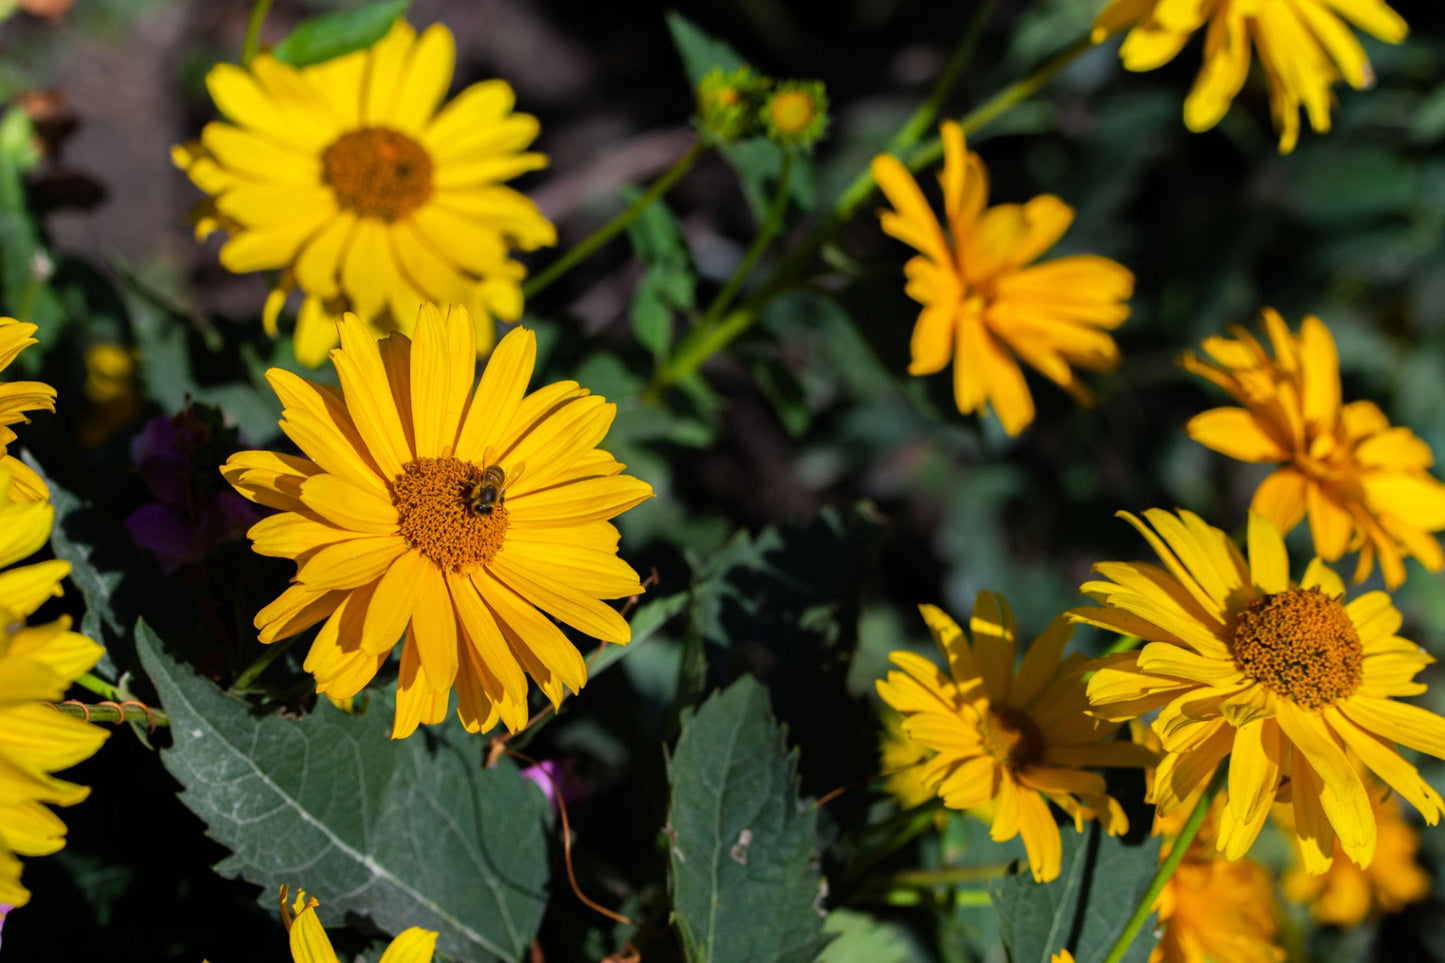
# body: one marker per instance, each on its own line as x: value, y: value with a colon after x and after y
x: 1019, y: 739
x: 355, y: 182
x: 986, y: 304
x: 1304, y: 46
x: 1285, y: 679
x: 17, y: 398
x: 452, y: 518
x: 1364, y: 483
x: 37, y: 664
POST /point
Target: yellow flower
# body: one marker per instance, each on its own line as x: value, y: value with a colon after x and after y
x: 310, y: 944
x: 37, y: 664
x: 1210, y: 908
x: 1347, y: 895
x: 348, y: 178
x: 112, y: 392
x: 1217, y: 909
x: 1304, y: 47
x: 901, y: 760
x: 1063, y: 956
x: 422, y: 509
x: 984, y: 300
x: 1283, y: 678
x: 16, y: 398
x: 1018, y: 738
x: 1365, y: 484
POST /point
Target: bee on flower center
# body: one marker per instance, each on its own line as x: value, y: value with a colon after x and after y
x: 489, y: 492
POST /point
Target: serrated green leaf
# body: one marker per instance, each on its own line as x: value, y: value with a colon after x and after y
x: 408, y: 833
x: 742, y: 846
x: 331, y: 35
x: 860, y: 938
x: 1085, y: 908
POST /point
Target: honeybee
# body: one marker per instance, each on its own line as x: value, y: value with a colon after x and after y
x: 490, y: 491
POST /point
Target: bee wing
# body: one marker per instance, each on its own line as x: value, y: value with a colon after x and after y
x: 514, y: 473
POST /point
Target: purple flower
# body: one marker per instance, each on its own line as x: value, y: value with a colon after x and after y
x: 552, y: 776
x: 192, y: 515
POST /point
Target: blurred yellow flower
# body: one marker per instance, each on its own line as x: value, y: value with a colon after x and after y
x: 16, y: 398
x: 420, y: 508
x: 1217, y: 909
x: 112, y: 392
x: 985, y: 303
x: 1020, y: 739
x: 1347, y: 895
x: 901, y: 760
x: 310, y: 944
x: 1282, y: 678
x: 353, y: 180
x: 1304, y: 47
x: 1365, y: 484
x: 37, y: 664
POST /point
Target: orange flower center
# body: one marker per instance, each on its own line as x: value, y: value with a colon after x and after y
x: 792, y: 111
x: 443, y: 516
x: 1011, y: 737
x: 1300, y: 644
x: 378, y: 173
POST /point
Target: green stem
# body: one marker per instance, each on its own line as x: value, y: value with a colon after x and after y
x: 613, y: 227
x: 917, y: 878
x: 771, y: 223
x: 269, y: 654
x: 99, y: 686
x: 1005, y: 100
x: 702, y: 343
x: 253, y: 31
x: 1177, y: 848
x: 116, y: 714
x: 923, y: 118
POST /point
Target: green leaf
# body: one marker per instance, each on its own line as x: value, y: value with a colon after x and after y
x: 669, y: 286
x: 1085, y: 908
x: 742, y: 857
x: 408, y: 833
x: 331, y: 35
x: 700, y: 53
x: 861, y: 938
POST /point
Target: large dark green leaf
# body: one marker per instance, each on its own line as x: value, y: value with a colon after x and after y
x: 745, y: 883
x: 1085, y: 908
x: 329, y: 36
x: 409, y: 833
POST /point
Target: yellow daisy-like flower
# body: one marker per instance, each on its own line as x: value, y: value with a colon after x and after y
x: 310, y: 944
x: 17, y: 398
x: 353, y: 180
x: 37, y: 664
x: 1020, y: 739
x: 901, y: 760
x: 1365, y: 484
x: 1285, y: 679
x: 1217, y: 909
x: 1210, y: 908
x: 985, y: 303
x: 1304, y: 47
x: 423, y: 509
x: 1347, y: 895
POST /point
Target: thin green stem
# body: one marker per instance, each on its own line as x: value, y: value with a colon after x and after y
x: 703, y: 342
x: 253, y: 31
x: 269, y: 654
x: 947, y: 877
x: 923, y: 118
x: 769, y: 229
x: 615, y: 226
x: 1177, y: 848
x: 115, y: 714
x: 1005, y: 100
x: 99, y: 686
